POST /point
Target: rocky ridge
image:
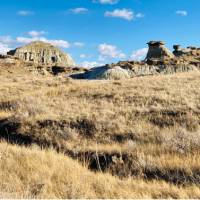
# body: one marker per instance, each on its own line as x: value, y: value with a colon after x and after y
x: 44, y: 58
x: 159, y: 60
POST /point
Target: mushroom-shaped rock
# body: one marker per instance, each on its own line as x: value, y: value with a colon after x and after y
x: 158, y: 51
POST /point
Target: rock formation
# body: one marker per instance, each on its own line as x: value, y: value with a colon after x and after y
x: 158, y: 51
x: 108, y: 73
x: 43, y: 54
x: 159, y: 60
x: 13, y: 65
x: 186, y: 52
x: 43, y: 58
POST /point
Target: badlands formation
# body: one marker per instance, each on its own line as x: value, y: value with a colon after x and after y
x: 42, y: 53
x: 159, y: 60
x: 44, y: 58
x: 131, y: 138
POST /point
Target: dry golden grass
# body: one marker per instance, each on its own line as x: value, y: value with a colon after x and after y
x: 145, y: 130
x: 34, y: 173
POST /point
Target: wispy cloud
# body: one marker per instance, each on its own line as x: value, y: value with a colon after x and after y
x: 4, y: 48
x: 36, y: 33
x: 124, y: 13
x: 5, y: 44
x: 79, y: 44
x: 140, y: 15
x: 182, y: 13
x: 139, y: 54
x: 7, y: 40
x: 106, y: 1
x: 25, y: 13
x: 91, y: 64
x: 83, y: 56
x: 109, y: 51
x: 58, y: 43
x: 79, y: 10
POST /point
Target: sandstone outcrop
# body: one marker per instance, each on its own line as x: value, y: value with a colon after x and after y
x: 158, y: 51
x: 192, y: 52
x: 12, y: 65
x: 159, y: 60
x: 43, y: 54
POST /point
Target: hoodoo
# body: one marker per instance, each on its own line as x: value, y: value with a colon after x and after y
x: 158, y: 51
x: 42, y: 53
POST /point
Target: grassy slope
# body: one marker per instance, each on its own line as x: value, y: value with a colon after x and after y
x: 32, y: 173
x: 154, y: 121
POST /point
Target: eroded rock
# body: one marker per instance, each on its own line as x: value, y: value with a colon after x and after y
x: 42, y: 53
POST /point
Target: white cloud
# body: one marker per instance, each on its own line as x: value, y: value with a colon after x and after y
x: 36, y: 33
x: 120, y: 13
x: 79, y: 44
x: 139, y: 54
x: 79, y: 10
x: 106, y: 1
x: 25, y: 12
x: 124, y: 13
x: 4, y: 48
x: 86, y: 56
x: 83, y: 56
x: 182, y: 13
x: 109, y: 51
x: 58, y: 43
x: 91, y: 64
x: 6, y: 40
x: 25, y: 40
x: 5, y: 44
x: 139, y: 15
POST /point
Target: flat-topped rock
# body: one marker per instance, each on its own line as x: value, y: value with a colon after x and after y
x: 156, y: 43
x: 42, y: 53
x: 158, y: 51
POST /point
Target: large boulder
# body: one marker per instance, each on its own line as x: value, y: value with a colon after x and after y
x: 107, y: 73
x: 42, y: 53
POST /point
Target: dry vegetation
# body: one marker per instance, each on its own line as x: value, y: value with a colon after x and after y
x: 100, y: 139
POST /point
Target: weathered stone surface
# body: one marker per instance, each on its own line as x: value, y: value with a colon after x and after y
x: 13, y: 65
x: 42, y: 53
x: 158, y: 51
x: 159, y: 60
x: 189, y: 53
x: 108, y: 73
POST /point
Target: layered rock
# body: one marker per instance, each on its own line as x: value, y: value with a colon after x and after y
x: 158, y: 51
x: 193, y: 52
x: 43, y: 54
x: 159, y: 60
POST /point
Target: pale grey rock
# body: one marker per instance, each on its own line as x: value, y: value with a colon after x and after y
x: 42, y: 53
x: 104, y: 72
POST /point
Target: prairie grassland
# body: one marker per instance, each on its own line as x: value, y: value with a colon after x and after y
x: 34, y: 173
x: 131, y: 138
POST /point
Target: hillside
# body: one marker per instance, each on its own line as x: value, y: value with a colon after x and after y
x: 65, y: 138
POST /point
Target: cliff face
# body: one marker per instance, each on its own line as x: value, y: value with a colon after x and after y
x: 43, y: 54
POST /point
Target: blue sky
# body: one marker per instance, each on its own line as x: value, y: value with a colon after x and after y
x: 99, y: 31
